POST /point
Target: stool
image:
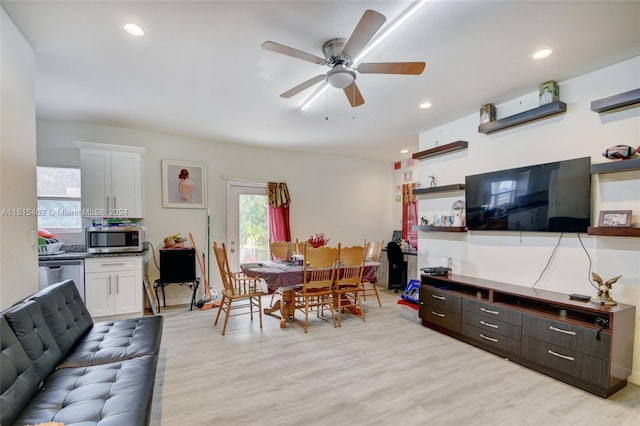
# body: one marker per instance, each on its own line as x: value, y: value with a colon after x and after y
x: 160, y: 284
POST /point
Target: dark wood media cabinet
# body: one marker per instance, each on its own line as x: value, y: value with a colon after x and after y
x: 586, y: 345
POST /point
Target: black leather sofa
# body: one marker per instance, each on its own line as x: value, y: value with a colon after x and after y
x: 57, y: 365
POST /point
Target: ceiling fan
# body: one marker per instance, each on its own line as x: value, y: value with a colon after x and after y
x: 339, y: 55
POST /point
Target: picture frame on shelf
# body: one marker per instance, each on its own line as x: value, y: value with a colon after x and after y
x: 184, y: 184
x: 615, y: 219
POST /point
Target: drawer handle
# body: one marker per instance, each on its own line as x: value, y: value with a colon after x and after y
x: 489, y: 311
x: 568, y: 358
x: 491, y: 339
x: 489, y: 324
x: 435, y: 296
x: 438, y: 314
x: 559, y: 330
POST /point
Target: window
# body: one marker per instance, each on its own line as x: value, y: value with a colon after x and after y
x: 502, y: 192
x: 59, y: 203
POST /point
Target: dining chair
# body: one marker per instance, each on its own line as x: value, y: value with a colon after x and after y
x: 349, y: 280
x: 316, y: 292
x: 238, y: 288
x: 300, y: 246
x: 281, y: 250
x: 369, y: 287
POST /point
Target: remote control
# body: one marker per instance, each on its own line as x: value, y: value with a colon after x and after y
x: 582, y: 297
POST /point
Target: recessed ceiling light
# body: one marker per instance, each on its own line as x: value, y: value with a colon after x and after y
x: 425, y: 105
x: 542, y: 53
x: 133, y: 29
x: 404, y: 151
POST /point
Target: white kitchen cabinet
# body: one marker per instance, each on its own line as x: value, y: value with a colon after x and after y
x: 113, y: 285
x: 111, y: 180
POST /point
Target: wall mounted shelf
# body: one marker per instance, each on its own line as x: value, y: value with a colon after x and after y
x: 613, y: 231
x: 443, y: 149
x: 438, y: 189
x: 543, y: 111
x: 616, y: 166
x: 429, y: 228
x: 620, y: 100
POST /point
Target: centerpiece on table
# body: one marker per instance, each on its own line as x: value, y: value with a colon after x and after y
x: 318, y: 240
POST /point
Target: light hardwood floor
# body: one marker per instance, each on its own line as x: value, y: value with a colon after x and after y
x: 388, y: 370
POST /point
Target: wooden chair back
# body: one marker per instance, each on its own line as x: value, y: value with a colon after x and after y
x: 351, y: 265
x: 281, y: 250
x: 319, y: 268
x: 300, y: 246
x: 375, y: 249
x: 223, y: 265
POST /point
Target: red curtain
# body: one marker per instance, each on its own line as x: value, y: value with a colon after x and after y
x: 409, y: 214
x: 279, y: 229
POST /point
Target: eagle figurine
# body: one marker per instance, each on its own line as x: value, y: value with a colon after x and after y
x: 603, y: 296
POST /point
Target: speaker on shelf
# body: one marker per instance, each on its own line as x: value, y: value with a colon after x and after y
x: 178, y: 265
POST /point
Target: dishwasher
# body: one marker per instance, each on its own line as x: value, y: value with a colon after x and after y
x: 51, y: 271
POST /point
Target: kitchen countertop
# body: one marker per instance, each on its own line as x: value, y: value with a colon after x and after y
x: 74, y: 254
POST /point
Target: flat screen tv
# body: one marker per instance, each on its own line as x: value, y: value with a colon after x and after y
x: 551, y: 197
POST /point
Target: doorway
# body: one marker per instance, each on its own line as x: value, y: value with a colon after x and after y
x: 247, y: 223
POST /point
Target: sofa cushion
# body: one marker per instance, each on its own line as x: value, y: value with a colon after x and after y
x: 118, y: 393
x: 29, y: 326
x: 18, y: 378
x: 65, y: 313
x: 110, y: 341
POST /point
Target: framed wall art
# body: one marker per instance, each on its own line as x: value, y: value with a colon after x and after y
x: 615, y: 218
x: 184, y: 184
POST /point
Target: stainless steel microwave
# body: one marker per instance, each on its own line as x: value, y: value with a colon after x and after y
x: 114, y: 239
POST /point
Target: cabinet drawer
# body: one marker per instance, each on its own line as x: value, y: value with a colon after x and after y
x: 569, y: 336
x: 441, y: 317
x: 574, y: 363
x: 440, y: 300
x: 493, y: 311
x: 492, y: 339
x: 119, y: 263
x: 492, y: 325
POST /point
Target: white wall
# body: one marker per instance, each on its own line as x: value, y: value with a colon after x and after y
x: 520, y: 258
x: 18, y: 256
x: 347, y: 199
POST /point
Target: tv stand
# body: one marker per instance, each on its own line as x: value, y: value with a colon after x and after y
x: 587, y: 345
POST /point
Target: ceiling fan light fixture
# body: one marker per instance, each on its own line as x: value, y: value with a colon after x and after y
x: 340, y: 77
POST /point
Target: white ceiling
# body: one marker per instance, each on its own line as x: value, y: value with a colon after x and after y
x: 200, y: 71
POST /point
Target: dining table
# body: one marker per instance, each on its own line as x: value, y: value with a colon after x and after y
x: 286, y: 277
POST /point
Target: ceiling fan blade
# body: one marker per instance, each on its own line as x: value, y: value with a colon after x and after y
x: 369, y: 24
x: 353, y: 95
x: 414, y: 68
x: 290, y: 51
x: 300, y: 87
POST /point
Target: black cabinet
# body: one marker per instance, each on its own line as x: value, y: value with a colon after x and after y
x: 178, y: 265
